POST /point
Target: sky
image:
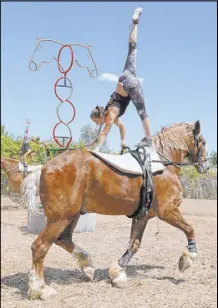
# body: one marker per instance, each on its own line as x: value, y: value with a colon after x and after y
x: 176, y: 65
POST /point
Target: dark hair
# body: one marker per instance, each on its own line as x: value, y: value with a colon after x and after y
x: 98, y: 112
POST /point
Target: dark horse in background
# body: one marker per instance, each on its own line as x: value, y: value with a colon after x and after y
x: 78, y: 181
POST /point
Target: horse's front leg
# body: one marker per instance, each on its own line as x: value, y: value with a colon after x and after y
x: 117, y: 272
x: 175, y: 218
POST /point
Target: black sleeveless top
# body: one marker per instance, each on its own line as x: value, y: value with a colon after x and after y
x: 121, y: 102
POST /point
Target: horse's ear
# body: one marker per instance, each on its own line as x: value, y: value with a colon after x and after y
x: 197, y: 127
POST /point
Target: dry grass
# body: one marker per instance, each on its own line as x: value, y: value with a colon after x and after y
x: 199, y: 186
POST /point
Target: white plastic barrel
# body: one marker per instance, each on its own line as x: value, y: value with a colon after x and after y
x: 36, y: 223
x: 86, y: 223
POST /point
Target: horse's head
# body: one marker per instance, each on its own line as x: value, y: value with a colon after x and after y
x: 33, y: 65
x: 198, y: 151
x: 9, y: 164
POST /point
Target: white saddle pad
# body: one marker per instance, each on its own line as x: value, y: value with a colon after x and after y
x: 128, y: 164
x: 29, y: 168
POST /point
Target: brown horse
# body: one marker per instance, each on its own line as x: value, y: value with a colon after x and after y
x: 76, y: 182
x: 15, y: 176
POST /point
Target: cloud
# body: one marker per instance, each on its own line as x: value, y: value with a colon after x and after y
x: 114, y: 78
x: 141, y: 80
x: 108, y: 77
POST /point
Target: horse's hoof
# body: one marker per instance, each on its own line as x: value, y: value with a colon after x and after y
x: 117, y: 275
x: 33, y: 294
x: 89, y: 272
x: 186, y: 260
x: 35, y: 286
x: 47, y: 292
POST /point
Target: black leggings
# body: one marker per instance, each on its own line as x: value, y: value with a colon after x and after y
x: 131, y: 84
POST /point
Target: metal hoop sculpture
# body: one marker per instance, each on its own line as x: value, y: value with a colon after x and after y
x: 33, y: 66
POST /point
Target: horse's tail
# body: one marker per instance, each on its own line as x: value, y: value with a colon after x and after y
x: 28, y: 191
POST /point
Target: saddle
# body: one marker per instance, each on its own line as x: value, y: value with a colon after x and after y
x: 138, y: 162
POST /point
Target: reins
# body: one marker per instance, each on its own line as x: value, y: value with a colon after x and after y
x: 170, y: 163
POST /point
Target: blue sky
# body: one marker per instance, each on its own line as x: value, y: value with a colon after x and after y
x: 176, y: 62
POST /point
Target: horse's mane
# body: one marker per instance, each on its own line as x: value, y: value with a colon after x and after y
x: 173, y: 137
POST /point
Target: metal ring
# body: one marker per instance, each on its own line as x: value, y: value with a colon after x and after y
x: 74, y: 112
x: 72, y: 60
x: 56, y: 85
x: 55, y: 138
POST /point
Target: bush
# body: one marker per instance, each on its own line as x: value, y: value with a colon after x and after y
x: 199, y: 186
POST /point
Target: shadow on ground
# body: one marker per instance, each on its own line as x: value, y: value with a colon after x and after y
x: 19, y: 281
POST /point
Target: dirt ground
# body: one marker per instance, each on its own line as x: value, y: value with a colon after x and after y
x: 153, y: 277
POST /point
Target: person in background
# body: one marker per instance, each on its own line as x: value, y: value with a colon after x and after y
x: 25, y: 148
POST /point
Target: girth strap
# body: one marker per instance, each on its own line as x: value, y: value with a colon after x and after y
x: 146, y: 191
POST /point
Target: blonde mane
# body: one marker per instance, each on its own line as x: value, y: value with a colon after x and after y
x: 173, y: 137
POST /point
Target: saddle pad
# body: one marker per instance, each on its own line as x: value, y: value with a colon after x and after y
x: 29, y: 168
x: 127, y: 163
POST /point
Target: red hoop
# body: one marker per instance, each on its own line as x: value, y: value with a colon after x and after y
x: 72, y: 60
x: 56, y: 139
x: 74, y: 112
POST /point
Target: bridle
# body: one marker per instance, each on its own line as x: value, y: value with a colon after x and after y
x: 12, y: 169
x: 168, y: 162
x: 198, y: 155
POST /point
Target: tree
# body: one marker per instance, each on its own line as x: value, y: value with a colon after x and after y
x: 213, y: 159
x: 2, y: 130
x: 89, y: 134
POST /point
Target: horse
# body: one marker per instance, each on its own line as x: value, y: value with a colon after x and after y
x: 78, y: 182
x: 15, y: 176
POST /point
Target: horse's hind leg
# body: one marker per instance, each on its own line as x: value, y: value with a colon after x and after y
x: 82, y: 258
x: 175, y: 218
x: 117, y: 271
x: 36, y: 285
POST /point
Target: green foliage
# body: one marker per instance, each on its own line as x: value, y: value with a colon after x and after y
x: 9, y: 147
x: 213, y: 159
